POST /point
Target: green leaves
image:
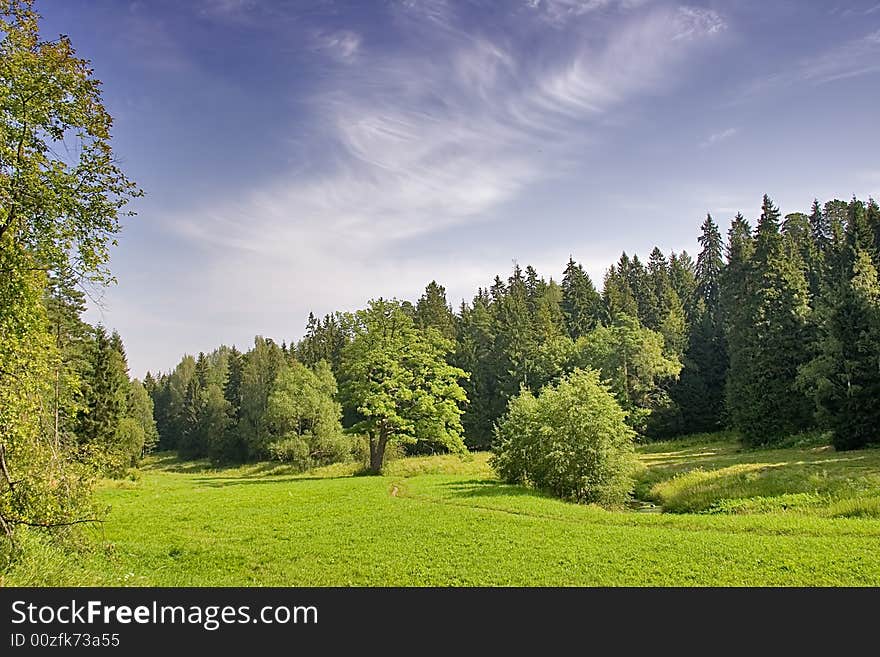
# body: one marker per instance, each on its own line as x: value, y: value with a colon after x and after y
x: 571, y: 440
x: 397, y: 378
x: 62, y: 210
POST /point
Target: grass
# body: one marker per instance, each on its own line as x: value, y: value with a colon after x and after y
x: 797, y: 516
x: 713, y: 473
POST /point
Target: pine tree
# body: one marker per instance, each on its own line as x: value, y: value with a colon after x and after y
x: 432, y: 310
x: 699, y: 392
x: 581, y: 303
x: 105, y: 405
x: 763, y: 400
x: 844, y: 377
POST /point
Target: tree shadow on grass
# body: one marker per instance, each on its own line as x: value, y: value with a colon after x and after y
x: 224, y: 482
x: 483, y: 488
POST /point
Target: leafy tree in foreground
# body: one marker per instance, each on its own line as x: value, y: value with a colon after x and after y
x: 61, y: 198
x: 398, y: 380
x: 572, y: 440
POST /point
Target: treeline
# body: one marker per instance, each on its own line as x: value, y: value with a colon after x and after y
x: 269, y: 403
x: 772, y: 331
x: 231, y: 407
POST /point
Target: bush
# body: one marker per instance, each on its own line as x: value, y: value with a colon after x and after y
x: 571, y: 440
x: 293, y: 450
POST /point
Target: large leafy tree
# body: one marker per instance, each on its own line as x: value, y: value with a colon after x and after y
x: 397, y: 378
x: 62, y: 196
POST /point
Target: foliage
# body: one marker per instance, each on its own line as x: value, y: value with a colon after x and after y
x: 632, y: 360
x: 303, y: 412
x: 768, y: 338
x: 571, y: 440
x: 61, y: 199
x: 397, y: 378
x: 844, y: 377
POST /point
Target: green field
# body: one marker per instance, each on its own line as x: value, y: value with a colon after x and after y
x: 797, y: 516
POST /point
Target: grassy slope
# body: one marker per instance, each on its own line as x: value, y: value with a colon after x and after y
x: 443, y: 521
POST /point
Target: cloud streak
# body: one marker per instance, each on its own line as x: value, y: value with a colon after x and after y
x: 414, y: 143
x: 717, y: 137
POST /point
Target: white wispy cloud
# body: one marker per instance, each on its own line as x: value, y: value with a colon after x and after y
x: 416, y: 143
x: 716, y: 137
x: 342, y: 45
x: 859, y: 56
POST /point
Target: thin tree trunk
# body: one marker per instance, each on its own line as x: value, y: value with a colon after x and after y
x: 377, y: 453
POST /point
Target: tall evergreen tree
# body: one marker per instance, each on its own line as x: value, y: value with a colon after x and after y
x: 581, y: 303
x: 682, y: 275
x: 844, y: 377
x: 618, y: 293
x: 106, y: 401
x: 699, y: 392
x: 65, y: 304
x: 762, y: 397
x: 432, y: 310
x: 475, y: 353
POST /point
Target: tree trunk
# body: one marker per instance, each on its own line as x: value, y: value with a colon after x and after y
x: 377, y: 453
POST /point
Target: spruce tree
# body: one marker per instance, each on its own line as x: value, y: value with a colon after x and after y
x: 844, y: 377
x: 433, y: 311
x: 682, y: 276
x: 699, y: 392
x: 65, y: 304
x: 581, y: 303
x: 106, y: 400
x: 618, y: 294
x: 475, y: 353
x: 764, y: 402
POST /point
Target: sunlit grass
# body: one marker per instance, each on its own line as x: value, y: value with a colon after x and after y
x: 795, y: 516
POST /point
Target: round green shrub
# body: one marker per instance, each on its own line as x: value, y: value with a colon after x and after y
x: 571, y: 440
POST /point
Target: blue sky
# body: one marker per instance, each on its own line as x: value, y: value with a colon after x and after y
x: 307, y: 156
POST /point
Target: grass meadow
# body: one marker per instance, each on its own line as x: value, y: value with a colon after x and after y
x: 707, y: 512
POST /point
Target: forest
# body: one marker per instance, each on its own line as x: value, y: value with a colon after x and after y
x: 771, y: 331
